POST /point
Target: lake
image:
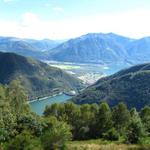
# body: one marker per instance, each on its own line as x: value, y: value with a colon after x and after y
x: 39, y: 105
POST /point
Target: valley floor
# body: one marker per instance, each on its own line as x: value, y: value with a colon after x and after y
x: 102, y: 145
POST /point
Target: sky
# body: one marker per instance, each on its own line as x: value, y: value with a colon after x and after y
x: 64, y: 19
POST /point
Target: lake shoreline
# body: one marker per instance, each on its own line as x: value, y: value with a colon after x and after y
x: 43, y: 98
x: 38, y: 106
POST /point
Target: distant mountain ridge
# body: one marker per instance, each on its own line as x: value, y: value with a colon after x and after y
x: 34, y: 75
x: 102, y: 48
x: 95, y: 48
x: 131, y: 86
x: 27, y: 47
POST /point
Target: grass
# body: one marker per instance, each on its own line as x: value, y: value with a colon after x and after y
x: 103, y: 145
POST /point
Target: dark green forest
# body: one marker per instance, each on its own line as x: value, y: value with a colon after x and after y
x: 39, y: 79
x: 21, y: 129
x: 130, y: 86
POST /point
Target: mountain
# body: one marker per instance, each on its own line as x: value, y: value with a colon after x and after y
x: 27, y: 47
x: 43, y: 45
x: 139, y: 50
x: 131, y: 86
x: 37, y: 77
x: 101, y: 48
x: 92, y: 48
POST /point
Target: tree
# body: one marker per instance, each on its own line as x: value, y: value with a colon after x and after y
x: 104, y: 119
x: 121, y: 117
x: 93, y: 127
x: 17, y: 98
x: 56, y: 136
x: 145, y: 116
x: 24, y: 141
x: 135, y: 130
x: 72, y: 113
x: 52, y: 110
x: 84, y: 122
x: 112, y: 135
x: 12, y: 106
x: 7, y: 120
x: 31, y: 123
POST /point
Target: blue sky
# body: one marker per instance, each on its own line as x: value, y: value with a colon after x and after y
x: 61, y: 19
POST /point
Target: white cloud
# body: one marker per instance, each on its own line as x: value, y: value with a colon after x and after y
x: 29, y: 19
x: 58, y: 9
x: 132, y: 24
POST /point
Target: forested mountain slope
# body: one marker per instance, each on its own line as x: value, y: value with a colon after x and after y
x: 34, y: 75
x: 131, y: 86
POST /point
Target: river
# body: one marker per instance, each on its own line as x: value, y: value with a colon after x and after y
x: 39, y: 105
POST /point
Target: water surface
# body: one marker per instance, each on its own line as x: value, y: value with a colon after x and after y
x: 39, y: 106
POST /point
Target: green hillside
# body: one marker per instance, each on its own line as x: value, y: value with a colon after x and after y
x: 37, y: 77
x: 131, y: 86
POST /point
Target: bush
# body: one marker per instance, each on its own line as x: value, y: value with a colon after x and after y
x: 135, y: 130
x: 3, y: 135
x: 144, y: 141
x: 24, y: 141
x: 30, y: 123
x: 112, y: 135
x: 56, y: 136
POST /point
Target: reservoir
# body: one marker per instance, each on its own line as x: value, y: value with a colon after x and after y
x: 39, y: 106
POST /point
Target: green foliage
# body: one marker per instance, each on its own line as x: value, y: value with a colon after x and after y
x: 98, y: 121
x: 30, y: 123
x: 135, y: 130
x: 20, y: 129
x: 111, y: 135
x: 81, y: 118
x: 48, y: 122
x: 56, y: 136
x: 121, y: 117
x: 24, y: 141
x: 145, y: 116
x: 13, y: 104
x: 6, y: 116
x: 17, y: 98
x: 144, y: 141
x: 130, y: 86
x: 4, y: 135
x: 104, y: 119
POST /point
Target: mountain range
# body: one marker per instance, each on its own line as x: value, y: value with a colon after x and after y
x: 37, y: 77
x: 131, y: 86
x: 90, y: 48
x: 103, y: 48
x: 27, y: 47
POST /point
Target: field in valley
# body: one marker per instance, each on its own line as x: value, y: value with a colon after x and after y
x: 88, y: 73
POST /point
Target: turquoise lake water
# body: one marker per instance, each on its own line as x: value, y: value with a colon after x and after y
x: 39, y: 106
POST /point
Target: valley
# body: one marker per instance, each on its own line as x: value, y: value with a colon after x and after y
x: 89, y: 73
x: 74, y: 75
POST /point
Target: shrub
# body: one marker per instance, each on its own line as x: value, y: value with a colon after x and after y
x: 24, y: 141
x: 112, y: 135
x: 56, y: 136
